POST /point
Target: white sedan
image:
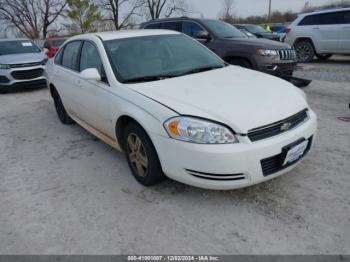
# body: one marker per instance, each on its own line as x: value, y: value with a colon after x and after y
x: 178, y: 111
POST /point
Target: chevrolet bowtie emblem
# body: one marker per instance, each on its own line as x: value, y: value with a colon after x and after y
x: 285, y: 126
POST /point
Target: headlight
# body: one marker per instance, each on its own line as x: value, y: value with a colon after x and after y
x: 4, y: 66
x: 199, y: 131
x: 267, y: 52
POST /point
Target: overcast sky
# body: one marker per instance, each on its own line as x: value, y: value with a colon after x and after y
x: 211, y: 8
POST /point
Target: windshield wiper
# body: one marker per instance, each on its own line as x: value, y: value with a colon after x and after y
x: 199, y: 70
x: 147, y: 78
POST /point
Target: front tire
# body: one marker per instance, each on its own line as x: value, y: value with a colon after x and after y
x: 60, y: 110
x: 305, y: 51
x: 142, y: 156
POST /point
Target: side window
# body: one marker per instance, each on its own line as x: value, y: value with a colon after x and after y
x: 90, y: 58
x: 175, y: 26
x: 58, y: 57
x: 70, y: 55
x: 310, y: 20
x: 191, y: 29
x: 153, y: 26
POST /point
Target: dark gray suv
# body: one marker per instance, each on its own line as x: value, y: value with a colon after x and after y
x: 232, y: 45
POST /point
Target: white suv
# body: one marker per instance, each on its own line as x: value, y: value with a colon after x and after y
x: 321, y: 33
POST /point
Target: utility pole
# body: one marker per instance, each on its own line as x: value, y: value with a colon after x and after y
x: 269, y: 10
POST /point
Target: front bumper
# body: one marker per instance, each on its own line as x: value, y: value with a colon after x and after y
x: 230, y: 166
x: 25, y: 77
x: 279, y: 69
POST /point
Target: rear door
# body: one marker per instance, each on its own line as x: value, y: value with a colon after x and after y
x: 66, y: 73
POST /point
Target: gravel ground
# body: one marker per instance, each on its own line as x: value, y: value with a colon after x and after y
x: 62, y: 191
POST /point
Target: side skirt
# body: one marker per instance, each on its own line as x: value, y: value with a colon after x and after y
x: 108, y: 140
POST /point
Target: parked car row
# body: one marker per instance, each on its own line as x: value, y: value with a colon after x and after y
x: 320, y: 34
x: 178, y: 110
x: 173, y: 102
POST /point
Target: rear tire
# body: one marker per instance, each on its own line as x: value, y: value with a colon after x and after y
x: 240, y: 62
x: 60, y: 110
x: 142, y: 156
x: 305, y: 51
x: 323, y: 56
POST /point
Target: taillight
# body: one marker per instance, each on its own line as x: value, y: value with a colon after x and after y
x: 288, y: 29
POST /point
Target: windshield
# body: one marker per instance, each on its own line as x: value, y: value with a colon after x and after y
x: 152, y: 58
x: 223, y: 30
x: 18, y: 47
x: 255, y: 29
x: 58, y: 43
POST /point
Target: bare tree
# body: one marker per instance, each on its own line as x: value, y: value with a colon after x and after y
x: 50, y: 10
x: 31, y: 17
x: 226, y: 13
x: 163, y: 8
x: 121, y: 11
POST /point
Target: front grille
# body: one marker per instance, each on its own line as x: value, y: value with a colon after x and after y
x: 278, y: 127
x: 287, y: 54
x: 274, y: 164
x: 217, y: 177
x: 4, y: 80
x: 27, y: 74
x: 25, y: 65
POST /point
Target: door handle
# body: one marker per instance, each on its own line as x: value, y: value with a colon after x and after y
x: 346, y: 27
x: 315, y: 28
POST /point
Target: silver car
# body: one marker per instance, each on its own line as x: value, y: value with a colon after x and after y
x: 22, y: 64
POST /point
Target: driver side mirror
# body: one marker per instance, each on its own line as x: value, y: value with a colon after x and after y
x: 203, y: 35
x: 90, y: 74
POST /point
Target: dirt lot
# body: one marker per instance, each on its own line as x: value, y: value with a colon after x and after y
x: 64, y: 192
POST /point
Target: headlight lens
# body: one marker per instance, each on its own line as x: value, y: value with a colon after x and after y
x: 199, y: 131
x: 268, y: 52
x: 4, y: 66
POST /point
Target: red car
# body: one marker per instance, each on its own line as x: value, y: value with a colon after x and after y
x: 53, y: 45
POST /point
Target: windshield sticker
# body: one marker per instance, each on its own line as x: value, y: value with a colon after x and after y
x: 26, y: 44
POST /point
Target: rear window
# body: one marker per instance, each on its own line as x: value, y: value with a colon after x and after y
x: 334, y: 18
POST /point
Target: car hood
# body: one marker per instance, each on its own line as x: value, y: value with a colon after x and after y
x: 22, y: 58
x: 260, y: 43
x: 241, y: 98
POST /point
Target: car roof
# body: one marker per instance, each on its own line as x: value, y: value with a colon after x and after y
x: 57, y: 38
x: 105, y: 36
x: 173, y: 19
x: 14, y: 39
x: 325, y: 11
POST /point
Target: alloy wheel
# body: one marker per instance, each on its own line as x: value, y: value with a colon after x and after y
x: 137, y: 155
x: 303, y: 52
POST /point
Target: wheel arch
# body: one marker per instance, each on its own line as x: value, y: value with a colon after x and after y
x: 309, y: 39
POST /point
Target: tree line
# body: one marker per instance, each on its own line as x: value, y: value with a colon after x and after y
x: 37, y: 19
